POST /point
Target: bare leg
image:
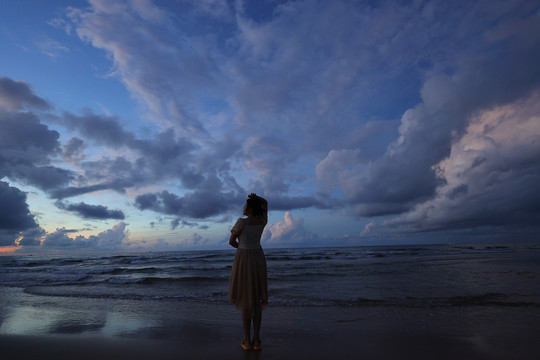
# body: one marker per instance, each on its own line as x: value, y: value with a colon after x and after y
x: 246, y: 321
x: 257, y: 319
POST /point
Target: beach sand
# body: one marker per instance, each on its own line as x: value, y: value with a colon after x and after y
x: 198, y: 331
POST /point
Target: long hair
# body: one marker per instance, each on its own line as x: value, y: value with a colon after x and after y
x: 255, y: 206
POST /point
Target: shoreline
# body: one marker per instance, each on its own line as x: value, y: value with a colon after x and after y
x: 367, y: 333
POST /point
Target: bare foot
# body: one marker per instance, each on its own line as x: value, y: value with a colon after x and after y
x: 256, y: 344
x: 246, y: 345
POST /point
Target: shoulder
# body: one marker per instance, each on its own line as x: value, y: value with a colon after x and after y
x: 239, y: 225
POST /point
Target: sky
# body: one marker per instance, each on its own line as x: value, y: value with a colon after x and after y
x: 143, y: 125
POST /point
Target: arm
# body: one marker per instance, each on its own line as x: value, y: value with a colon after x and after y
x: 235, y: 233
x: 232, y: 240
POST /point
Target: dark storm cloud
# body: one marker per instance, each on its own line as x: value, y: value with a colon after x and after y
x: 44, y: 177
x: 175, y: 223
x: 88, y: 211
x: 8, y: 237
x: 14, y: 213
x: 198, y: 204
x: 32, y: 237
x: 492, y: 175
x: 460, y: 190
x: 15, y: 216
x: 23, y: 136
x: 183, y: 223
x: 294, y: 203
x: 168, y: 156
x: 118, y: 186
x: 100, y: 128
x: 26, y: 146
x: 14, y: 95
x: 164, y: 155
x: 73, y: 149
x: 202, y: 204
x: 407, y: 173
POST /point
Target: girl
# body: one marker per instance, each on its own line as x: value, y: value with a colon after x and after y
x: 248, y: 285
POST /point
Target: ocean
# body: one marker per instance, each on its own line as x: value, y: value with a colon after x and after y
x: 435, y: 275
x: 322, y: 290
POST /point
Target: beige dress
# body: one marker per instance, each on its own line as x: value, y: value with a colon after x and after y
x: 248, y: 283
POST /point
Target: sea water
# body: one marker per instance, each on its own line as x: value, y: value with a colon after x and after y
x: 421, y: 277
x: 434, y: 275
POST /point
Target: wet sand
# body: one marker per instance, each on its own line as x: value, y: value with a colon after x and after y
x: 213, y: 332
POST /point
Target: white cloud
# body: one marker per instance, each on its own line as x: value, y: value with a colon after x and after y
x: 340, y: 168
x: 51, y: 48
x: 162, y: 67
x: 217, y: 8
x: 294, y: 103
x: 367, y: 228
x: 492, y: 175
x: 110, y: 239
x: 289, y: 231
x: 148, y: 11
